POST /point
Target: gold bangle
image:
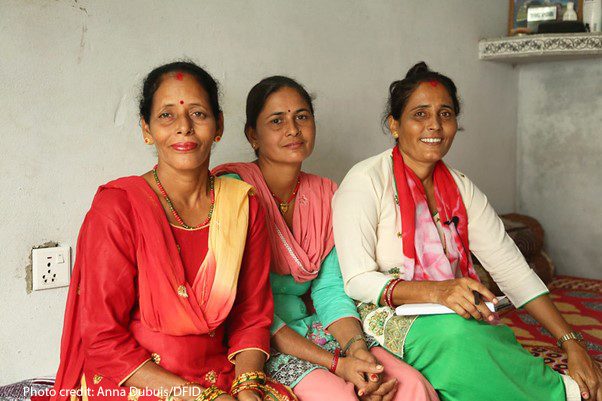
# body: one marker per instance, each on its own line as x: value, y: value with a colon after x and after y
x: 257, y: 376
x: 573, y: 335
x: 253, y: 386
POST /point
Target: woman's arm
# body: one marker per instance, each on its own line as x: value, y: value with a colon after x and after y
x: 249, y: 361
x: 494, y: 248
x: 331, y: 303
x: 501, y: 257
x: 108, y: 296
x: 350, y: 368
x: 107, y: 289
x: 248, y: 325
x: 335, y: 310
x: 338, y: 314
x: 496, y: 251
x: 356, y: 208
x: 582, y: 367
x: 288, y: 341
x: 457, y: 294
x: 544, y: 311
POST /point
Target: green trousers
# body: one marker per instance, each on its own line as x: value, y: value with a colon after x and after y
x: 468, y: 360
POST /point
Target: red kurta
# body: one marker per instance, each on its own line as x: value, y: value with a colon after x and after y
x: 115, y: 340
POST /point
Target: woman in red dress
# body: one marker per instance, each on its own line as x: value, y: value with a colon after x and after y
x: 170, y: 295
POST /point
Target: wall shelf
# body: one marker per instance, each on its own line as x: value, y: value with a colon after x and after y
x: 544, y: 47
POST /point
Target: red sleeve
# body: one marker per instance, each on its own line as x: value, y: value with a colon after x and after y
x: 108, y: 291
x: 248, y: 326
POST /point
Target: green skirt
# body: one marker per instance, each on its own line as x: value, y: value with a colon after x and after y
x: 465, y: 360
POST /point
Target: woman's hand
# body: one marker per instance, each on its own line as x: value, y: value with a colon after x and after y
x: 355, y: 371
x: 385, y: 392
x: 457, y: 294
x: 376, y: 390
x: 247, y: 395
x: 584, y: 370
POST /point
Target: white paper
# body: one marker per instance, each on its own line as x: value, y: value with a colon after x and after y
x: 436, y: 309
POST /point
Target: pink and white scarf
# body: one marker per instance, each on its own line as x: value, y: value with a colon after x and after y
x: 424, y: 254
x: 300, y: 251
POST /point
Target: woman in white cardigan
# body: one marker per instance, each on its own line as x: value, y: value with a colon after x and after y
x: 385, y: 263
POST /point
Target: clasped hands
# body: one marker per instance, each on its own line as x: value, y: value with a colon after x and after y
x: 360, y: 368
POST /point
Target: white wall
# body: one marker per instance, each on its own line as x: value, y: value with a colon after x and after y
x: 560, y: 160
x: 70, y: 72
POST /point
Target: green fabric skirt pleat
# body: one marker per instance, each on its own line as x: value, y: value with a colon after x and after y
x: 468, y: 360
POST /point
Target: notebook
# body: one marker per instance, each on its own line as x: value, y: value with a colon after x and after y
x: 437, y: 309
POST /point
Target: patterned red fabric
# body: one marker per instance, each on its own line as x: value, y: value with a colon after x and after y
x: 580, y: 302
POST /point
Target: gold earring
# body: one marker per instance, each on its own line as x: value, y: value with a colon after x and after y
x: 148, y: 141
x: 254, y: 146
x: 395, y: 134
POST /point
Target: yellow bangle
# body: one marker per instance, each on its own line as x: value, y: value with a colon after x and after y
x: 256, y: 376
x: 253, y: 386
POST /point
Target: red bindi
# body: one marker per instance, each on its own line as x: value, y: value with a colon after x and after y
x: 433, y: 83
x: 181, y: 102
x: 179, y: 76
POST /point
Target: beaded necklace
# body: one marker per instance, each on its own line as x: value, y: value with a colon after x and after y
x: 283, y: 206
x: 173, y: 210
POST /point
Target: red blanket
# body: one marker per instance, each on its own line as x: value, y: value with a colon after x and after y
x: 580, y: 302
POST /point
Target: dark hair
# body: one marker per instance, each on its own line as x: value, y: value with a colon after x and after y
x: 153, y: 80
x: 259, y: 94
x: 400, y: 91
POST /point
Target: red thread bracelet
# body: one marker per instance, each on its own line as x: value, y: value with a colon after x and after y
x: 335, y: 360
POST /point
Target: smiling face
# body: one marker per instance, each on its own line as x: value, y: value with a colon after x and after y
x: 427, y: 125
x: 182, y: 124
x: 285, y: 130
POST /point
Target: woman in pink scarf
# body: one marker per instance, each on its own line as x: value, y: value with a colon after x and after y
x: 319, y: 347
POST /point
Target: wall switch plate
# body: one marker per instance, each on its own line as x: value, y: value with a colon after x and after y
x: 51, y: 267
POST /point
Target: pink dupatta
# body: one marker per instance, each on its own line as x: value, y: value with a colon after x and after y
x: 299, y: 253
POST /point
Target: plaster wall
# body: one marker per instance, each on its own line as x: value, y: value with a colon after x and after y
x: 559, y: 160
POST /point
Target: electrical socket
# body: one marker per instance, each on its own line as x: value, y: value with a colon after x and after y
x: 51, y: 267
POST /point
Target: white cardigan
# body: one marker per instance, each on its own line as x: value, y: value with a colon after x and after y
x: 367, y: 231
